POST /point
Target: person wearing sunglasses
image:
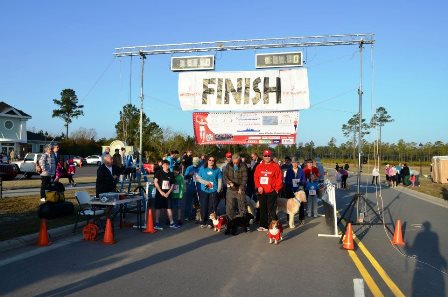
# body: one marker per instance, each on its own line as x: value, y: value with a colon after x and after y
x: 210, y: 178
x: 268, y: 180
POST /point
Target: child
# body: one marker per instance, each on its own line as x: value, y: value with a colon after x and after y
x: 177, y: 195
x: 412, y: 179
x: 71, y: 171
x: 312, y: 186
x: 338, y: 179
x: 60, y: 172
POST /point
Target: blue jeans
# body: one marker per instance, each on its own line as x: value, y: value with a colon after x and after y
x: 208, y: 203
x: 190, y: 195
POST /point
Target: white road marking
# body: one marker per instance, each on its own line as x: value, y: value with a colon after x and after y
x: 358, y: 286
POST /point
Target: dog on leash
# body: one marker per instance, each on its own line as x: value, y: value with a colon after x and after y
x: 218, y: 222
x: 275, y: 232
x: 290, y: 206
x: 239, y: 222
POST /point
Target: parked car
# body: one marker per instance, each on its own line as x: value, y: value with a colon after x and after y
x: 93, y: 160
x: 8, y: 171
x: 27, y: 166
x: 79, y: 161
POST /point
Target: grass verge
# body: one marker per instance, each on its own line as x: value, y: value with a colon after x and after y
x: 18, y: 215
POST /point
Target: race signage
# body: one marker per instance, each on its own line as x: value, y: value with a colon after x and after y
x: 190, y: 63
x: 246, y: 127
x: 276, y: 60
x: 274, y: 90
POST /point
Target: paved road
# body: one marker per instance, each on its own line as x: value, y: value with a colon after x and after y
x: 424, y: 226
x: 197, y: 262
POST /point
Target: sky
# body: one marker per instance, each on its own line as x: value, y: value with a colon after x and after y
x: 48, y: 46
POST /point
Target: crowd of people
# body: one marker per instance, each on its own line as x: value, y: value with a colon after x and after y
x: 396, y: 175
x: 189, y: 188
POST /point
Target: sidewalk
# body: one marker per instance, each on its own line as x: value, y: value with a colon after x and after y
x: 31, y: 191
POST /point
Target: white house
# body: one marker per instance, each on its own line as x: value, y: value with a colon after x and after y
x: 13, y: 133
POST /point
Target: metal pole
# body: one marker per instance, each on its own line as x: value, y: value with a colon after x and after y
x: 143, y: 57
x: 360, y: 119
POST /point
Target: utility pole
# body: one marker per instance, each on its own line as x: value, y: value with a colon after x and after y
x: 143, y: 57
x: 360, y: 119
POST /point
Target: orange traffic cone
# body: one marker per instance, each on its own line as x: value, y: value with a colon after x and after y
x: 398, y: 236
x: 108, y: 233
x: 348, y: 238
x: 149, y: 222
x: 43, y: 234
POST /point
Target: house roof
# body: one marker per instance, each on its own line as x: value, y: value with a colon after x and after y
x: 5, y: 108
x: 31, y: 136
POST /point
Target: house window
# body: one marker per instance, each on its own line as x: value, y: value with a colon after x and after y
x: 9, y: 125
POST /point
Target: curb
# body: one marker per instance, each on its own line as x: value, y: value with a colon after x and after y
x: 31, y: 239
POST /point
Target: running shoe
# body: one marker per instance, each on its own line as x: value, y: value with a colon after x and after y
x: 158, y: 227
x: 174, y: 226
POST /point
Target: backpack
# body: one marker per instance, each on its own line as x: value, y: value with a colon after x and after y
x: 38, y: 168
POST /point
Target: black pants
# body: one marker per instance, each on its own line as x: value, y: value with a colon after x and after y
x: 344, y: 181
x: 374, y: 180
x: 45, y: 183
x: 268, y: 208
x: 208, y: 202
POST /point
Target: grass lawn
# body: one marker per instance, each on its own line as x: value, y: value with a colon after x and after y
x: 18, y: 215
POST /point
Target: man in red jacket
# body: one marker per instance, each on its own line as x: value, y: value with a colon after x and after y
x: 268, y: 182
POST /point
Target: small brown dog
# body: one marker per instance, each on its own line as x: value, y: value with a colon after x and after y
x: 218, y: 222
x: 275, y: 231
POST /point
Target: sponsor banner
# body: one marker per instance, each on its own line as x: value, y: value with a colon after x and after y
x: 245, y: 90
x: 246, y: 127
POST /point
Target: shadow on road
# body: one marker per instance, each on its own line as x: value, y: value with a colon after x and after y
x: 427, y: 281
x: 133, y: 267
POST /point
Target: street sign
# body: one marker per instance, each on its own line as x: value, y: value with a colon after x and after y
x: 192, y: 63
x: 275, y: 60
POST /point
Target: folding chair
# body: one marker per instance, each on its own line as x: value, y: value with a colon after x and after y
x: 85, y: 209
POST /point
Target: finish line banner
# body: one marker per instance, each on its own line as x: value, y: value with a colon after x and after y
x: 246, y: 127
x: 245, y: 90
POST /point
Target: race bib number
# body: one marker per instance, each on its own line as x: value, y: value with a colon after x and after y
x: 264, y: 180
x: 295, y: 182
x: 176, y: 189
x: 312, y: 192
x: 166, y: 185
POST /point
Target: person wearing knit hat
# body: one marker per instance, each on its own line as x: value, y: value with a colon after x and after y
x: 192, y: 191
x: 228, y: 156
x: 236, y: 177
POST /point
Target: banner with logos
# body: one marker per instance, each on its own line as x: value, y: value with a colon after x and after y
x: 246, y: 127
x: 275, y: 90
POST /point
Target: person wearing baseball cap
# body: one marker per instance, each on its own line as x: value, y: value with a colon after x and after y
x: 268, y: 182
